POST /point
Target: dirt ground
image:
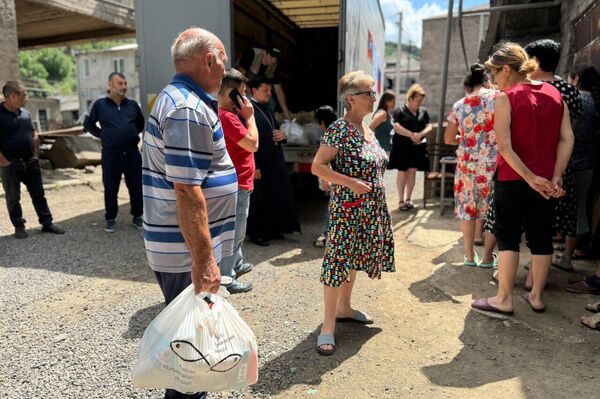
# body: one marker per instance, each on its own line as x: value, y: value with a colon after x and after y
x: 426, y: 342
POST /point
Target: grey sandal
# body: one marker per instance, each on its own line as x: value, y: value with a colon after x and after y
x: 357, y: 317
x: 326, y: 339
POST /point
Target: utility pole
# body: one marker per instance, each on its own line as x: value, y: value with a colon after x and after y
x: 398, y: 54
x: 408, y: 58
x: 442, y: 112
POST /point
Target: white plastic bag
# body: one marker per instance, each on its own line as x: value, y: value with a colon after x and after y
x: 294, y: 132
x: 194, y: 346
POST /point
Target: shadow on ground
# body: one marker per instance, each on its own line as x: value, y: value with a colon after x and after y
x: 87, y: 250
x: 302, y: 365
x: 140, y: 320
x: 498, y: 348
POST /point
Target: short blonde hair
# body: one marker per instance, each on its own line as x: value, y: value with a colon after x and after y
x: 351, y: 82
x: 415, y: 90
x: 514, y: 56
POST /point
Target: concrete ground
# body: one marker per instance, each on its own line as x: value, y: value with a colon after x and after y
x: 74, y: 308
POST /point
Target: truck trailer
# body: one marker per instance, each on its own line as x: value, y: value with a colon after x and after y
x: 319, y: 41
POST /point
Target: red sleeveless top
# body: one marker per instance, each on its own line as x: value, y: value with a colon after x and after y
x: 536, y: 116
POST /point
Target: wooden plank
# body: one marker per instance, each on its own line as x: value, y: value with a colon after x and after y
x: 308, y: 25
x: 313, y: 18
x: 71, y: 131
x: 292, y: 13
x: 288, y: 4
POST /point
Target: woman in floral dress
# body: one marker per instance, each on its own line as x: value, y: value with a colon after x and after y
x: 359, y: 235
x: 471, y: 126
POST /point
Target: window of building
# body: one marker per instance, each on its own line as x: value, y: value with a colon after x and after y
x: 43, y: 118
x: 119, y: 65
x: 86, y: 68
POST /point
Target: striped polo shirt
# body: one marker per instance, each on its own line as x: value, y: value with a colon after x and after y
x: 184, y: 143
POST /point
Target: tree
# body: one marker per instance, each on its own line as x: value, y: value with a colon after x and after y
x: 54, y: 68
x: 30, y: 67
x: 60, y: 66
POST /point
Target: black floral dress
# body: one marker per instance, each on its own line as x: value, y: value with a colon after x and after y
x: 565, y: 212
x: 359, y: 234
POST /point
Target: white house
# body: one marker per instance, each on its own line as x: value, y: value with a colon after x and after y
x: 93, y: 68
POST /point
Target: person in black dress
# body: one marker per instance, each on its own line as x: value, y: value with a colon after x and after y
x: 272, y: 208
x: 409, y: 144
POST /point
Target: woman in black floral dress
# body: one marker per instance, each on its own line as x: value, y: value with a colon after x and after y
x: 359, y: 235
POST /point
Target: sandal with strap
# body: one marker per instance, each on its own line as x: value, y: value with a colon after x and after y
x: 490, y: 265
x: 471, y: 263
x: 326, y: 339
x: 593, y: 307
x: 357, y: 317
x: 592, y: 322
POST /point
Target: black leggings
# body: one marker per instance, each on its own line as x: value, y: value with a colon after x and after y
x: 516, y: 206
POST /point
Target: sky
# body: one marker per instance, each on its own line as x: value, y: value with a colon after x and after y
x: 413, y: 13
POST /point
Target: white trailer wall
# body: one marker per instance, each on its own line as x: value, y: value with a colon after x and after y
x: 365, y: 39
x: 157, y: 24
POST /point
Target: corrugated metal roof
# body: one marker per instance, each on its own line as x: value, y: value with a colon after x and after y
x: 310, y: 13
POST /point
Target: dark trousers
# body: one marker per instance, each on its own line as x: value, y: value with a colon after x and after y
x: 516, y: 204
x: 115, y: 164
x: 171, y: 285
x: 26, y: 171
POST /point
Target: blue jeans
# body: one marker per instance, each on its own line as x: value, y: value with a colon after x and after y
x: 171, y: 285
x: 231, y: 264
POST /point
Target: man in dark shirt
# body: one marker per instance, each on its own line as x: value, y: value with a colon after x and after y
x: 19, y: 160
x: 121, y: 121
x: 262, y: 63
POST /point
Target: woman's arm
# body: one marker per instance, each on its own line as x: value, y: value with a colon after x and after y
x: 425, y: 131
x: 378, y: 119
x: 320, y: 167
x: 451, y: 134
x: 402, y: 131
x: 564, y: 148
x: 502, y: 129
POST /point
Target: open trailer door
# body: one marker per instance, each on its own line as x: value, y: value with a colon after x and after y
x: 362, y: 39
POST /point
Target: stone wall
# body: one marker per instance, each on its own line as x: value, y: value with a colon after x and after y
x: 570, y: 11
x: 9, y: 65
x: 432, y: 58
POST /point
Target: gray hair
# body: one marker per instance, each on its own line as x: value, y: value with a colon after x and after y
x: 193, y: 41
x: 13, y: 87
x: 352, y: 81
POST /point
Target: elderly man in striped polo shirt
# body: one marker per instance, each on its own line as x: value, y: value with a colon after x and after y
x: 189, y: 181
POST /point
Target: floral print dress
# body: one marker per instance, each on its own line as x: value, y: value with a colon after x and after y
x: 359, y: 233
x: 476, y: 154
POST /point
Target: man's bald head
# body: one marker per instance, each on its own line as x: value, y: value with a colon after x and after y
x: 195, y: 41
x: 200, y: 55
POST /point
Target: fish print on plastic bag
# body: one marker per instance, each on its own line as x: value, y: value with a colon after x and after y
x: 187, y: 352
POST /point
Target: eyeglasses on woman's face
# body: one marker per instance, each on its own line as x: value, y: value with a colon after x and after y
x: 370, y: 93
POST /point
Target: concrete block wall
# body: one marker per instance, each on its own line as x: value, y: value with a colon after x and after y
x: 9, y: 64
x: 432, y: 58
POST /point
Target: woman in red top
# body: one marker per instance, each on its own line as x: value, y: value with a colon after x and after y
x: 535, y: 141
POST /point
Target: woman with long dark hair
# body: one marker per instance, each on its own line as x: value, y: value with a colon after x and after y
x: 382, y: 121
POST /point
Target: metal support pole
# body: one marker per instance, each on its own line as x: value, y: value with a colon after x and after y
x: 398, y: 55
x: 438, y: 133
